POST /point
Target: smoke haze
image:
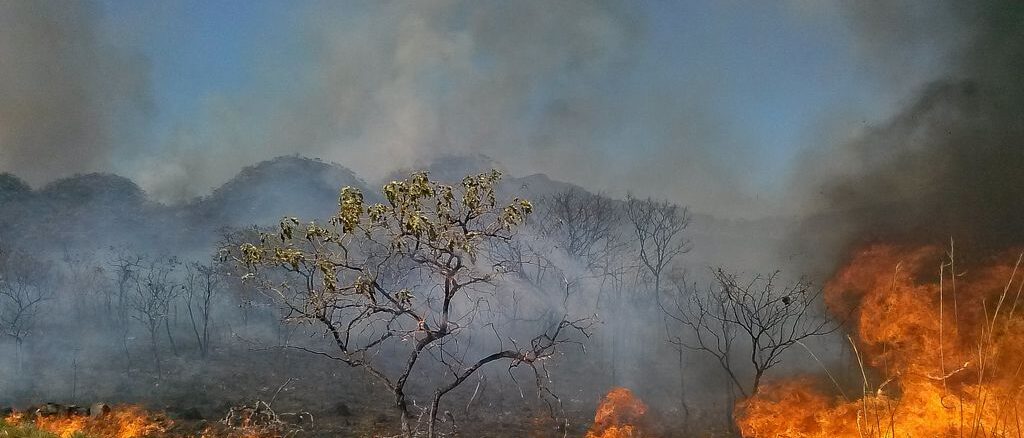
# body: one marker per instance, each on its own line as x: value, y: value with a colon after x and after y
x: 948, y: 164
x: 70, y: 100
x: 707, y: 105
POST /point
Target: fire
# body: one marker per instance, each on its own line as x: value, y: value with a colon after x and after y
x: 942, y: 350
x: 123, y: 422
x: 620, y: 415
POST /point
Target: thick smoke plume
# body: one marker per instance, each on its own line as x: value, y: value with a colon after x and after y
x: 949, y: 164
x: 68, y: 99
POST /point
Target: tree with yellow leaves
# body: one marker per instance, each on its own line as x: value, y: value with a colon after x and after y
x: 412, y: 273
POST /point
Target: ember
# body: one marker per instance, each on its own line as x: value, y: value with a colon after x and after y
x: 948, y: 353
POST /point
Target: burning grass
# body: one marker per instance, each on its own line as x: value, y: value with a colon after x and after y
x: 621, y: 414
x: 134, y: 422
x: 946, y: 345
x: 123, y: 422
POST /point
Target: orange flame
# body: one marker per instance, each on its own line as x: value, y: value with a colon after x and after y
x: 123, y: 422
x: 948, y: 350
x: 619, y: 415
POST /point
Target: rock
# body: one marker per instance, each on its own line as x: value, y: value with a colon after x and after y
x: 77, y: 411
x: 99, y: 410
x: 51, y: 410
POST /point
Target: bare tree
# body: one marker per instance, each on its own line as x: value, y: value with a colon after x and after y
x: 87, y: 280
x: 124, y: 267
x: 585, y: 225
x: 409, y: 275
x: 24, y: 289
x: 658, y: 227
x: 155, y: 290
x: 754, y: 319
x: 202, y: 282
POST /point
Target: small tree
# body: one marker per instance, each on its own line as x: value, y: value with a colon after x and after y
x: 658, y: 227
x: 585, y: 225
x: 754, y: 319
x: 412, y: 275
x: 155, y: 290
x: 124, y: 266
x: 202, y: 282
x: 24, y: 289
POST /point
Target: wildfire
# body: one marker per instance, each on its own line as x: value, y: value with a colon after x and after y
x: 941, y: 351
x: 123, y: 422
x: 620, y: 415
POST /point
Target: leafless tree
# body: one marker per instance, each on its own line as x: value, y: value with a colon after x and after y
x: 585, y: 225
x: 756, y: 319
x: 124, y: 267
x: 658, y: 228
x: 24, y: 290
x: 658, y: 231
x: 202, y: 283
x: 154, y: 291
x: 87, y: 281
x: 413, y: 275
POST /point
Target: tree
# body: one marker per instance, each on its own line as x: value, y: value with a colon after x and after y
x: 754, y: 318
x: 154, y: 292
x: 658, y: 227
x: 124, y: 266
x: 24, y: 289
x: 202, y: 282
x: 593, y: 231
x: 411, y: 274
x: 585, y: 225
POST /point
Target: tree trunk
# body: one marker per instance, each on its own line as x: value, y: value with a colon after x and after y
x: 404, y: 409
x: 156, y: 350
x: 206, y: 330
x: 18, y: 352
x: 682, y: 393
x: 170, y: 338
x: 432, y: 421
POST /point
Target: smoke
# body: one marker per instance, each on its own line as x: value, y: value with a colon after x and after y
x: 561, y: 89
x: 949, y: 163
x: 69, y: 99
x: 409, y: 82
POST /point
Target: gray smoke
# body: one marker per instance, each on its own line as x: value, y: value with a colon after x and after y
x: 70, y: 100
x: 386, y: 85
x: 949, y: 163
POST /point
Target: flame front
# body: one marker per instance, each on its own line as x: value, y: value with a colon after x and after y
x: 941, y: 351
x: 620, y: 415
x: 124, y: 422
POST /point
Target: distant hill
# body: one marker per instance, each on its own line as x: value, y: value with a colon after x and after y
x: 96, y: 211
x: 101, y: 210
x: 78, y: 210
x: 13, y: 188
x: 284, y: 186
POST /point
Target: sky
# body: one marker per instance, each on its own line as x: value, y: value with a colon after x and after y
x: 709, y: 104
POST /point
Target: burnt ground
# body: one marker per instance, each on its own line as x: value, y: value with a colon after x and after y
x: 196, y: 393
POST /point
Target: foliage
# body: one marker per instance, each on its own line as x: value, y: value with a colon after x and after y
x: 410, y: 272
